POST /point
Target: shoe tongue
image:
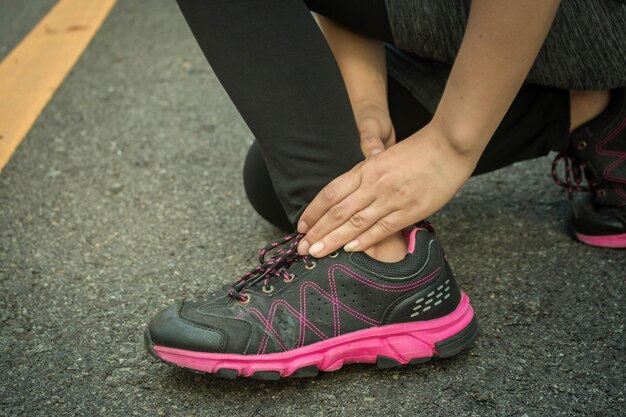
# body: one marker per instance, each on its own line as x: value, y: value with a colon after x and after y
x: 217, y: 297
x: 296, y: 268
x: 278, y: 282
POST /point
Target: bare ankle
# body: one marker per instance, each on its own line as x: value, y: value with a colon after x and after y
x: 586, y: 105
x: 392, y: 249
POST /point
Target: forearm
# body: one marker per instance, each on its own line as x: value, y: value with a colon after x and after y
x: 501, y: 42
x: 362, y: 63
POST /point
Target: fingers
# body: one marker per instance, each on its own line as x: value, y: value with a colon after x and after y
x: 358, y: 224
x: 382, y: 228
x: 341, y: 223
x: 378, y: 224
x: 333, y: 193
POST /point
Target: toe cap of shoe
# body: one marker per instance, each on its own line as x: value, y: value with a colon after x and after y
x: 213, y: 334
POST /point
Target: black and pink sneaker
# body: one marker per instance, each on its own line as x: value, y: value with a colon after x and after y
x: 295, y: 315
x: 597, y: 154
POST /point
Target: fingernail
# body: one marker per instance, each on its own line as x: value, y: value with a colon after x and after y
x: 351, y: 246
x: 303, y: 247
x: 316, y: 248
x: 302, y: 227
x: 375, y: 151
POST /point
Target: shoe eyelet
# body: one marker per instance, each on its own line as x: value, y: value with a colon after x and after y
x: 246, y: 299
x: 268, y: 290
x: 312, y: 265
x: 601, y: 193
x: 581, y: 145
x: 291, y: 278
x: 334, y: 254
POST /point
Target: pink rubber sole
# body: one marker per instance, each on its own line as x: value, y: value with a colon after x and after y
x: 608, y: 241
x: 401, y: 343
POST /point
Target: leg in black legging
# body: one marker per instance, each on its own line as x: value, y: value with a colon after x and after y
x: 260, y: 190
x: 407, y: 115
x: 536, y: 123
x: 368, y: 17
x: 277, y: 68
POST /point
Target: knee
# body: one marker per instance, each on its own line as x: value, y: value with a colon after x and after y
x: 311, y: 4
x: 260, y: 190
x: 322, y: 7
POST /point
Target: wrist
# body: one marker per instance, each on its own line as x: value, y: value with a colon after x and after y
x: 441, y: 145
x: 462, y: 138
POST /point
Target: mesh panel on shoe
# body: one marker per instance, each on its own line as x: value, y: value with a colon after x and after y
x: 320, y: 310
x: 411, y: 263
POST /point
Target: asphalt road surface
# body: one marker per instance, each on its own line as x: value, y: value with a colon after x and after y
x: 127, y: 195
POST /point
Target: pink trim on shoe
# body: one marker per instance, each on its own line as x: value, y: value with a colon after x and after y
x: 409, y: 235
x: 607, y: 241
x: 401, y: 342
x: 620, y: 155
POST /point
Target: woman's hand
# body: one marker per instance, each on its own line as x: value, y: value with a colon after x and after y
x: 385, y: 193
x: 413, y: 179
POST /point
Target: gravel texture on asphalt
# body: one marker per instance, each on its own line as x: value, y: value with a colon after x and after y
x: 127, y: 195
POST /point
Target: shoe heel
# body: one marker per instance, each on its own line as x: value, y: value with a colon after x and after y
x: 460, y: 341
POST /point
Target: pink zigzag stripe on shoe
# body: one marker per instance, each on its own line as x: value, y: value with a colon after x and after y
x: 300, y: 314
x: 401, y: 342
x: 270, y: 328
x: 621, y: 156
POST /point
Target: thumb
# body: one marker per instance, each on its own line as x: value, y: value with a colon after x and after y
x: 372, y: 146
x: 370, y: 134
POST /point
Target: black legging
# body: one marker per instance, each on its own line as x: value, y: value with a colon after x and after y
x: 277, y: 68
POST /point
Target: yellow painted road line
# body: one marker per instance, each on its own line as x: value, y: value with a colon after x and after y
x: 34, y: 70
